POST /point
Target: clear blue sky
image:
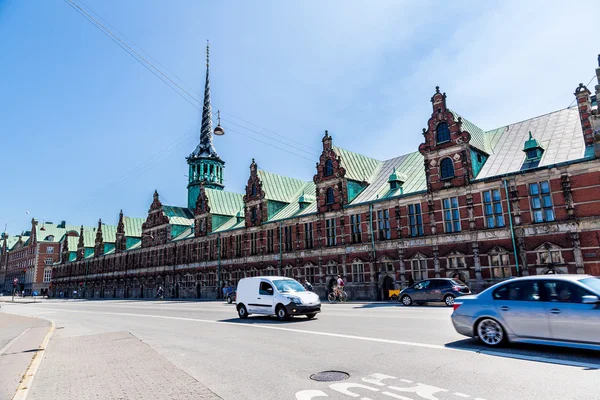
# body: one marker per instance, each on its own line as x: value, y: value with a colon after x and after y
x: 86, y: 130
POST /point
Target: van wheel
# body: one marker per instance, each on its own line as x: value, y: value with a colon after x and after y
x: 282, y: 313
x: 311, y: 316
x: 242, y: 311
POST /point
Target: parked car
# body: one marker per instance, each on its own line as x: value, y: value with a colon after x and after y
x: 559, y: 310
x: 275, y: 295
x: 434, y: 290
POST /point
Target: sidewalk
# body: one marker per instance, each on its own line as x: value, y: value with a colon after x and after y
x: 20, y: 338
x: 110, y: 366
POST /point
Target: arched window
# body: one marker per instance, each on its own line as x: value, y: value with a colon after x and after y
x: 329, y: 199
x: 447, y: 168
x: 253, y: 214
x: 328, y: 168
x: 253, y: 189
x: 442, y: 133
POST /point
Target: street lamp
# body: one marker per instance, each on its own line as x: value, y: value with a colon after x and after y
x: 219, y: 131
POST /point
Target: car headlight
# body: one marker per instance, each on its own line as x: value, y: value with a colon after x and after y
x: 295, y: 300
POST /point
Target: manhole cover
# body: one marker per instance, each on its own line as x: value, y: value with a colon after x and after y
x: 329, y: 376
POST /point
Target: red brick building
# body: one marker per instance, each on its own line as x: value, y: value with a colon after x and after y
x: 479, y: 205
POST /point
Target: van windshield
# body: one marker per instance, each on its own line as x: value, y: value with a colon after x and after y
x: 288, y: 285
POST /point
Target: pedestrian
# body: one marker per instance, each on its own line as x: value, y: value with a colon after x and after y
x: 411, y: 281
x: 159, y: 293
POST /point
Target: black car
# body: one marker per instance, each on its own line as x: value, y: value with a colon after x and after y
x: 434, y: 290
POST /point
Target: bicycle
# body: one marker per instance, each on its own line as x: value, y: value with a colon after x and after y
x: 341, y: 295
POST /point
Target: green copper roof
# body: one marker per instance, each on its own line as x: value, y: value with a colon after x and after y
x: 133, y: 226
x: 358, y: 167
x: 224, y: 203
x: 187, y: 233
x: 531, y: 143
x: 477, y: 134
x: 278, y: 187
x: 232, y: 223
x: 46, y: 230
x: 173, y: 211
x: 307, y: 193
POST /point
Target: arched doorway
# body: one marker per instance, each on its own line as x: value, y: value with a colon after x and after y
x: 177, y: 291
x: 388, y: 284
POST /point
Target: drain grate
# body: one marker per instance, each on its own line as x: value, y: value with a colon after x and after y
x: 329, y: 376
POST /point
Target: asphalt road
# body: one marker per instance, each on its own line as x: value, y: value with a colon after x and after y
x: 389, y: 351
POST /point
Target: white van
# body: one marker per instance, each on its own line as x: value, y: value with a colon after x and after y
x: 275, y: 295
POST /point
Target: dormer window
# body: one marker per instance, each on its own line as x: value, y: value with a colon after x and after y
x: 328, y: 168
x: 447, y: 168
x: 442, y: 133
x: 396, y: 181
x: 533, y: 153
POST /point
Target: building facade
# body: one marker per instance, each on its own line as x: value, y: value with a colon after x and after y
x: 472, y: 204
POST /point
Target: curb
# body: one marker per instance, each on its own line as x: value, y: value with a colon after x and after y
x: 27, y: 380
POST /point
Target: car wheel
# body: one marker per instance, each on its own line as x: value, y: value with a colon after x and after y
x: 449, y: 300
x: 490, y: 332
x: 281, y: 312
x: 229, y: 300
x: 311, y: 316
x: 242, y: 311
x: 406, y: 300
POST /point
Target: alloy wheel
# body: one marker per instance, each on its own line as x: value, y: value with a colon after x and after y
x: 490, y: 332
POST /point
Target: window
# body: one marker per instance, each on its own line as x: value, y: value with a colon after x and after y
x: 270, y: 241
x: 383, y: 224
x: 447, y: 168
x: 328, y: 168
x: 254, y: 214
x: 492, y: 209
x: 310, y: 273
x: 423, y: 285
x: 332, y: 268
x: 49, y: 261
x: 418, y: 267
x: 330, y: 230
x: 287, y: 233
x: 253, y: 192
x: 238, y: 245
x: 223, y: 244
x: 253, y: 243
x: 531, y: 154
x: 456, y: 261
x: 451, y: 215
x: 358, y: 272
x: 550, y: 255
x: 47, y: 275
x: 415, y: 220
x: 356, y: 232
x: 564, y: 292
x: 442, y: 133
x: 329, y: 198
x: 518, y: 291
x: 541, y: 202
x: 499, y: 265
x: 308, y: 235
x: 49, y: 250
x: 265, y: 289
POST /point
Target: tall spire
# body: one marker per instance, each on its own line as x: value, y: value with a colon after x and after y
x: 206, y: 148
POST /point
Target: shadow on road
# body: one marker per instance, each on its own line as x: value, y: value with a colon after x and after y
x: 266, y: 320
x: 395, y: 304
x: 587, y: 359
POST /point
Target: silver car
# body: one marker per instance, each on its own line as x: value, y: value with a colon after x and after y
x: 559, y: 310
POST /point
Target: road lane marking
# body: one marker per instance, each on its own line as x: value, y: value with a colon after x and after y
x: 460, y: 394
x: 355, y: 337
x: 13, y: 340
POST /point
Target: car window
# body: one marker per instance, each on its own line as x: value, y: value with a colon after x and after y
x: 518, y: 291
x: 423, y: 285
x: 593, y: 283
x: 564, y: 292
x: 265, y: 289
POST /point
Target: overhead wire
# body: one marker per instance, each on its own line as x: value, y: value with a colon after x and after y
x: 588, y: 84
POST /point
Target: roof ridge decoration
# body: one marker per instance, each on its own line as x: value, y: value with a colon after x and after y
x: 330, y: 180
x: 99, y: 243
x: 120, y: 241
x: 206, y: 148
x: 156, y: 217
x: 80, y: 246
x: 255, y: 208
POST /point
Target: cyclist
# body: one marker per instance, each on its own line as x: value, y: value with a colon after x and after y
x: 340, y: 286
x: 159, y: 293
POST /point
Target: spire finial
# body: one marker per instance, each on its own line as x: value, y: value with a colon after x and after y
x: 207, y: 52
x: 530, y: 135
x: 437, y: 89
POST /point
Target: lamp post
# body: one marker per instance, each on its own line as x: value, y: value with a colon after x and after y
x: 218, y: 266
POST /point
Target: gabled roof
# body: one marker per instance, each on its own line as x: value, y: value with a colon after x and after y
x: 278, y: 187
x: 559, y: 132
x: 358, y: 167
x: 293, y: 208
x: 224, y: 203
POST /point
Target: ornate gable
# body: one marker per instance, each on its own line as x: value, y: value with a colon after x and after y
x: 254, y: 199
x: 99, y: 244
x: 120, y: 241
x: 156, y: 217
x: 202, y: 216
x: 65, y: 250
x: 80, y: 246
x: 446, y: 147
x: 331, y: 185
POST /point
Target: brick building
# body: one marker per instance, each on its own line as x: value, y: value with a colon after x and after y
x: 478, y: 205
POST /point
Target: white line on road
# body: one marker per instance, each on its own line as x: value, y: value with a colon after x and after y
x: 12, y: 341
x: 354, y: 337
